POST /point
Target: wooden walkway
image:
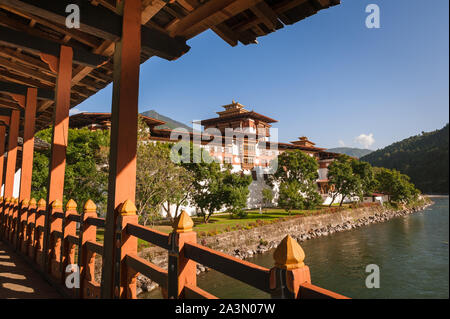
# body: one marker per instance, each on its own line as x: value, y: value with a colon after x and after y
x: 19, y: 280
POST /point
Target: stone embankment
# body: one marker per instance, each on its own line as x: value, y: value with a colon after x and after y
x: 247, y: 243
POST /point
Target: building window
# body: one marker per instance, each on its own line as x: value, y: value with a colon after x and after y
x: 248, y: 160
x: 228, y: 160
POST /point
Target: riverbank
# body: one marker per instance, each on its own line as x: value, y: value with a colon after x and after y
x: 248, y: 243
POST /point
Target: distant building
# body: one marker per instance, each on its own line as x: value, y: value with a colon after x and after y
x: 237, y: 136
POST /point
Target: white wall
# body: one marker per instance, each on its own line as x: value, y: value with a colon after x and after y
x: 16, y: 185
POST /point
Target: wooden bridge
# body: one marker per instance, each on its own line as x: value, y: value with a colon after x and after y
x: 65, y: 255
x: 46, y: 68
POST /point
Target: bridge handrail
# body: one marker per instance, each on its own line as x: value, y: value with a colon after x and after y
x: 249, y: 273
x: 150, y: 235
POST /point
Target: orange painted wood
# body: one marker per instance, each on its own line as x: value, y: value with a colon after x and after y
x: 242, y: 270
x: 122, y: 164
x: 309, y: 291
x: 88, y: 233
x: 12, y: 153
x: 2, y: 151
x: 128, y: 275
x: 60, y: 126
x: 28, y: 144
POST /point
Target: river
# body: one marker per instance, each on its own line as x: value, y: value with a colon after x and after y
x: 412, y: 254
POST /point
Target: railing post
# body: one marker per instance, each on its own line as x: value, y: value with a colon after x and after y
x: 69, y: 228
x: 31, y: 228
x: 2, y: 205
x: 5, y: 217
x: 126, y: 245
x: 22, y: 224
x: 181, y: 271
x: 13, y: 221
x: 39, y: 232
x: 86, y: 257
x: 289, y: 271
x: 53, y: 250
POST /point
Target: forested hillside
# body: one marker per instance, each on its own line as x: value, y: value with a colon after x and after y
x: 423, y: 157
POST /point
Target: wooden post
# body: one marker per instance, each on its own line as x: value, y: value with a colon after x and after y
x: 31, y: 228
x: 5, y: 217
x: 87, y: 257
x: 2, y: 205
x: 60, y: 126
x: 2, y: 153
x: 181, y: 271
x: 22, y: 225
x: 57, y: 163
x: 53, y: 252
x: 69, y: 229
x: 14, y: 213
x: 41, y: 216
x: 12, y: 153
x: 127, y: 245
x: 289, y: 271
x: 28, y: 145
x: 122, y: 161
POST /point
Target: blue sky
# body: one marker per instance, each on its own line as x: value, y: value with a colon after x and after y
x: 327, y: 77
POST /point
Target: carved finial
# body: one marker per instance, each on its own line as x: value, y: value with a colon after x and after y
x: 89, y: 206
x: 15, y: 200
x: 7, y: 199
x: 41, y: 203
x: 127, y: 208
x: 183, y: 223
x: 33, y: 202
x: 71, y: 205
x: 56, y: 204
x: 25, y: 202
x: 1, y: 199
x: 289, y: 254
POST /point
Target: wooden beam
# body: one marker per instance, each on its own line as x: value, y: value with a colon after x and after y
x: 8, y: 87
x: 28, y: 145
x: 210, y: 14
x: 263, y: 11
x: 27, y: 71
x: 122, y: 162
x: 13, y: 134
x: 9, y: 105
x: 38, y: 45
x: 102, y: 23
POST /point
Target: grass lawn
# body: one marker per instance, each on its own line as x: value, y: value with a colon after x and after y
x: 219, y: 223
x: 224, y: 222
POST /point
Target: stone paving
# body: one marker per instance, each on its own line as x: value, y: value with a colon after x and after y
x: 19, y: 281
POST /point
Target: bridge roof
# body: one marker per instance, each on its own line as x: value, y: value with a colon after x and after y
x: 30, y: 29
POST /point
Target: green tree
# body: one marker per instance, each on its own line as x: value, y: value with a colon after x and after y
x: 296, y: 176
x: 235, y: 192
x: 206, y: 191
x: 343, y: 179
x: 395, y: 184
x: 160, y: 182
x: 267, y: 196
x: 86, y: 167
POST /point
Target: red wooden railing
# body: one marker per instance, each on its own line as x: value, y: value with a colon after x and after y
x: 51, y: 240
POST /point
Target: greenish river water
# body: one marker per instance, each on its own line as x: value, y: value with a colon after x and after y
x: 412, y: 253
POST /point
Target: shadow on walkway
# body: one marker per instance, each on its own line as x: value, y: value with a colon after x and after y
x: 19, y: 280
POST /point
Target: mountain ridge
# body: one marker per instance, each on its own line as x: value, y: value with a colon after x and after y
x: 170, y: 123
x: 351, y: 151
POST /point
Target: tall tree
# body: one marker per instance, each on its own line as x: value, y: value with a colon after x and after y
x: 296, y: 177
x: 344, y: 181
